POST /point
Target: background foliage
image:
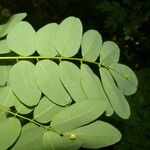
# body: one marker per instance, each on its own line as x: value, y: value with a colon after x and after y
x: 124, y: 21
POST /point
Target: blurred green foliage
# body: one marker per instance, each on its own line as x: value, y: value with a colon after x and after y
x: 124, y: 21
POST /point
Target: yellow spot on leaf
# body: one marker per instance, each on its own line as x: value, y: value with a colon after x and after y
x: 126, y: 76
x: 72, y: 136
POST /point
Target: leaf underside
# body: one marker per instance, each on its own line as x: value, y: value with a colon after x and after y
x: 57, y: 99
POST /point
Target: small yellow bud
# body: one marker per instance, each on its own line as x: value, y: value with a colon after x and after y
x: 72, y: 136
x: 126, y: 76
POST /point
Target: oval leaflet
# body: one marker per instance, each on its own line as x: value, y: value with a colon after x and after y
x: 23, y: 83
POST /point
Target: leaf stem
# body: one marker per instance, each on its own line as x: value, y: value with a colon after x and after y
x: 20, y: 116
x: 59, y: 58
x: 47, y: 57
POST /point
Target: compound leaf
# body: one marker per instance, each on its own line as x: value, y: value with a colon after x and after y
x: 9, y: 132
x: 68, y: 37
x: 23, y: 83
x: 70, y: 77
x: 4, y: 49
x: 117, y: 99
x: 91, y: 45
x: 6, y: 28
x: 47, y: 78
x: 109, y: 53
x: 21, y: 39
x: 97, y: 135
x: 46, y: 110
x: 77, y: 115
x: 125, y: 78
x: 44, y: 40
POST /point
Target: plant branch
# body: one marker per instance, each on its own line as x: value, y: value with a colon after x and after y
x: 46, y: 57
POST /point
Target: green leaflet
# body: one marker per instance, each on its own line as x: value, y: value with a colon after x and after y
x: 68, y: 37
x: 109, y: 109
x: 28, y: 127
x: 47, y: 78
x: 89, y: 83
x: 91, y: 45
x: 125, y: 78
x: 117, y: 99
x: 6, y: 28
x: 77, y: 115
x: 8, y: 79
x: 30, y: 138
x: 70, y: 77
x: 102, y: 95
x: 23, y: 83
x: 97, y: 135
x: 3, y: 116
x: 92, y: 86
x: 109, y: 53
x: 7, y: 97
x: 21, y: 108
x: 4, y: 47
x: 46, y: 110
x: 44, y: 40
x: 9, y: 132
x: 21, y: 39
x: 53, y: 141
x: 4, y: 71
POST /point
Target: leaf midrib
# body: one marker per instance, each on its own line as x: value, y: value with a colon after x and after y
x: 73, y: 118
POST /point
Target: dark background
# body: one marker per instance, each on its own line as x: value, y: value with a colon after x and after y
x: 124, y: 21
